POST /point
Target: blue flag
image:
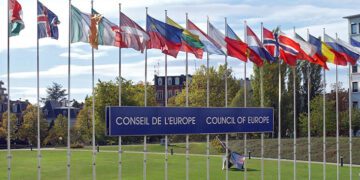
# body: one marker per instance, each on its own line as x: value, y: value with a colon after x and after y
x: 47, y: 23
x: 354, y: 42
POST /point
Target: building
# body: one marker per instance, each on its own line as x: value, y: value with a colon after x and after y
x: 16, y: 107
x: 354, y: 32
x: 52, y: 109
x: 175, y: 85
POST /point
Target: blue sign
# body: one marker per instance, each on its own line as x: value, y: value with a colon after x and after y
x: 137, y: 121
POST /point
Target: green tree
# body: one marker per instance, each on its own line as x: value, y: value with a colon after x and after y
x: 55, y: 92
x: 197, y: 88
x: 28, y: 129
x: 83, y: 125
x: 58, y: 133
x: 14, y: 125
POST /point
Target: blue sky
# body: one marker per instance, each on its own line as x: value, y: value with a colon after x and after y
x: 303, y: 15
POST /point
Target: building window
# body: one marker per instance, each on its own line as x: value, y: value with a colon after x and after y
x: 170, y: 93
x: 355, y: 87
x: 159, y: 95
x: 159, y: 81
x: 353, y: 29
x: 355, y: 104
x: 177, y: 81
x: 170, y: 81
x: 355, y: 69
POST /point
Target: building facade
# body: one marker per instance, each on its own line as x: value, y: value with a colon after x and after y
x: 175, y: 85
x: 354, y: 32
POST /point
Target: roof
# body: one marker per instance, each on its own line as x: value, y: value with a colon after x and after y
x: 352, y: 16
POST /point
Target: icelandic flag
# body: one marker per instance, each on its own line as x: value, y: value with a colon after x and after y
x: 235, y: 47
x: 257, y: 46
x: 163, y: 36
x: 354, y: 42
x: 271, y: 43
x: 210, y: 45
x: 350, y: 56
x: 47, y: 23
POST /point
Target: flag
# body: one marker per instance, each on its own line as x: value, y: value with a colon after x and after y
x: 190, y: 42
x: 210, y: 46
x: 328, y: 54
x: 132, y: 35
x: 270, y: 43
x: 218, y: 37
x: 354, y: 52
x: 288, y: 48
x: 15, y: 19
x: 80, y: 26
x: 308, y: 52
x: 257, y: 46
x: 47, y: 23
x: 163, y: 36
x: 235, y: 47
x: 348, y: 55
x: 354, y: 42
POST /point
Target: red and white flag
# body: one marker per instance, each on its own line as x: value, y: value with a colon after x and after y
x: 132, y: 35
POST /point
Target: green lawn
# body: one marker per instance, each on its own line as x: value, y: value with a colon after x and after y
x: 54, y: 166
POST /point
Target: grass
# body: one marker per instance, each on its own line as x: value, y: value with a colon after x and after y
x: 54, y: 166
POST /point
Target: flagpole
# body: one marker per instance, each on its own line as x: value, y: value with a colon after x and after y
x: 309, y: 116
x: 120, y: 151
x: 166, y: 104
x: 207, y: 105
x: 8, y: 100
x: 324, y: 124
x: 337, y: 123
x: 93, y: 105
x: 145, y: 104
x: 245, y: 105
x: 350, y: 122
x: 226, y: 104
x: 187, y: 104
x: 279, y: 123
x: 262, y: 105
x: 37, y: 99
x: 294, y: 104
x: 69, y: 86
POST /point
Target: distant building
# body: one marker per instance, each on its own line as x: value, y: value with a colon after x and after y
x: 175, y: 85
x: 16, y: 107
x: 354, y: 32
x: 52, y: 109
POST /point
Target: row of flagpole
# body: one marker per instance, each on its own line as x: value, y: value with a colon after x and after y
x: 187, y: 104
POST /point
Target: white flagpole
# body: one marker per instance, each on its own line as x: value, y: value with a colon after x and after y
x: 350, y: 122
x: 279, y: 123
x: 187, y: 104
x: 93, y: 105
x: 226, y: 104
x: 337, y: 123
x: 120, y: 151
x: 145, y: 103
x: 8, y: 100
x: 207, y: 105
x: 38, y: 99
x: 324, y: 120
x: 245, y: 104
x: 262, y: 105
x: 294, y: 104
x: 68, y: 101
x: 309, y: 116
x: 166, y: 104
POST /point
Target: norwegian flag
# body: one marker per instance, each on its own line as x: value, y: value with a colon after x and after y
x: 281, y: 45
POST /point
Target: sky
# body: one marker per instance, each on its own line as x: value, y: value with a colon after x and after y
x: 288, y: 15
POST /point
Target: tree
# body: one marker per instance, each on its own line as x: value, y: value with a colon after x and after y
x: 14, y: 125
x: 28, y: 129
x: 197, y: 88
x: 83, y: 125
x: 58, y: 133
x: 55, y: 92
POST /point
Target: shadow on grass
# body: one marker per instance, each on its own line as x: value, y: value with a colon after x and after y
x: 248, y: 169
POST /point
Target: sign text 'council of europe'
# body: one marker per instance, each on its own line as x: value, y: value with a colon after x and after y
x: 137, y: 121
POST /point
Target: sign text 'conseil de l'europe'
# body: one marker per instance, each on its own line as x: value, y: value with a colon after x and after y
x: 137, y: 121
